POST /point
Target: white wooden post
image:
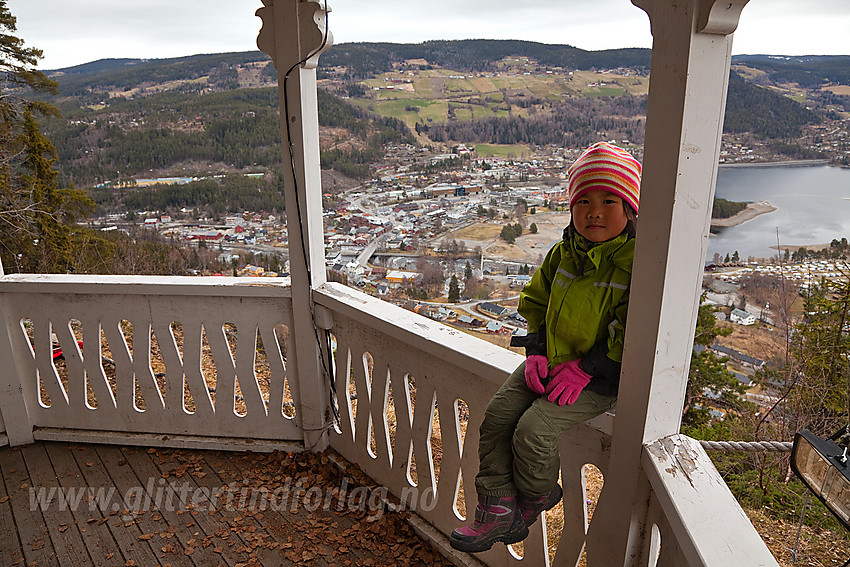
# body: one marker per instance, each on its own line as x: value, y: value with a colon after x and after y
x: 691, y: 56
x: 13, y: 407
x: 294, y: 34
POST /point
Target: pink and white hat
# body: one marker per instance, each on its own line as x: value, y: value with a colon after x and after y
x: 607, y: 167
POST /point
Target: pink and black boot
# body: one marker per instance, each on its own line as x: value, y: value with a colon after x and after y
x: 530, y: 508
x: 496, y: 519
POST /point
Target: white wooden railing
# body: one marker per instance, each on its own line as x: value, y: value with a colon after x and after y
x: 411, y: 394
x: 400, y: 376
x: 132, y: 358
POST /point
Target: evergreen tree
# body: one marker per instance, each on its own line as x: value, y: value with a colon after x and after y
x: 820, y: 350
x: 533, y: 228
x: 510, y: 232
x: 709, y: 382
x: 454, y: 289
x: 467, y: 271
x: 723, y: 208
x: 37, y: 218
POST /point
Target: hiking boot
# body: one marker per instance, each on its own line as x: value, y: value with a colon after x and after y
x: 496, y: 519
x: 529, y: 508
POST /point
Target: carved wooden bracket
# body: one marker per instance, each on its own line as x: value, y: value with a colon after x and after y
x: 716, y: 17
x: 313, y: 36
x: 719, y: 17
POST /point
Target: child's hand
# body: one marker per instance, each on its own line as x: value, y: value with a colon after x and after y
x: 536, y: 368
x: 568, y: 380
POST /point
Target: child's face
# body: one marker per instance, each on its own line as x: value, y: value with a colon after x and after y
x: 599, y: 215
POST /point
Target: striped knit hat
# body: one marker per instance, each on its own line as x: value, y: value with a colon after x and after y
x: 607, y: 167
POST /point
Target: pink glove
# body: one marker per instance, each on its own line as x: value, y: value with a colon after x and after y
x: 568, y: 380
x: 536, y: 367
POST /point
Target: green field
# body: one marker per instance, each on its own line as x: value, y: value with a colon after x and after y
x: 607, y: 90
x: 431, y: 93
x: 475, y: 111
x: 428, y: 110
x: 503, y: 151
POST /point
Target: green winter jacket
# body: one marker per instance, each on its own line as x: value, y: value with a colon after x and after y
x: 578, y: 300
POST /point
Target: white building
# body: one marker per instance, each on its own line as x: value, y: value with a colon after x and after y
x: 742, y: 317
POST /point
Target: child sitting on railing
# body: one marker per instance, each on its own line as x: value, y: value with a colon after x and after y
x: 575, y: 305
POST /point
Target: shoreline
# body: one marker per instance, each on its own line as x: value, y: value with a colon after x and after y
x: 749, y: 213
x: 788, y: 163
x: 796, y: 247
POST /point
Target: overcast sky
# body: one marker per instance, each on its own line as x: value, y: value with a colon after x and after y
x: 71, y: 32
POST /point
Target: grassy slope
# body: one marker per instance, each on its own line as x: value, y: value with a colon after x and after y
x: 430, y: 93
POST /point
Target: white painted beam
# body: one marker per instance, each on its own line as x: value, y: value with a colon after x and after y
x: 124, y: 285
x: 294, y: 34
x: 13, y: 408
x: 687, y: 95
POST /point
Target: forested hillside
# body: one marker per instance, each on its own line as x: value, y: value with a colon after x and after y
x: 368, y: 59
x: 218, y: 113
x: 220, y: 131
x: 209, y: 197
x: 574, y: 122
x: 808, y: 71
x: 90, y: 82
x: 750, y: 108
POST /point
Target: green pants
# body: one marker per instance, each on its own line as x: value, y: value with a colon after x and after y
x: 518, y: 447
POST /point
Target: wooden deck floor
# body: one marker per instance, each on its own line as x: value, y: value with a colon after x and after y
x: 105, y: 505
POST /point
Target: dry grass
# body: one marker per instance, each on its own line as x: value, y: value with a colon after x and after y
x: 478, y: 231
x: 817, y: 548
x: 838, y: 89
x: 766, y: 343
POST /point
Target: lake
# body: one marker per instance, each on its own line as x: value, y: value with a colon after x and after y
x: 812, y: 207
